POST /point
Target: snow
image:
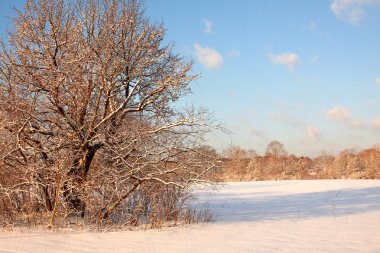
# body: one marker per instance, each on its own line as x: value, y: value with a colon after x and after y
x: 272, y: 216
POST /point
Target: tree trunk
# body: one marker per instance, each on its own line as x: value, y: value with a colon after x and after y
x: 48, y: 202
x: 77, y: 175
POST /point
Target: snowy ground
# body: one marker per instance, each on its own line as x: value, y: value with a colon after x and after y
x: 282, y: 216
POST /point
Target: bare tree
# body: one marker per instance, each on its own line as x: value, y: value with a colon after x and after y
x: 276, y: 149
x: 236, y: 163
x: 88, y: 104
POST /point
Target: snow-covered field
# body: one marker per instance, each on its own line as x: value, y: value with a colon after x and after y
x: 282, y: 216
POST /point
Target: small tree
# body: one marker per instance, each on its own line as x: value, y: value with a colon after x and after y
x: 276, y: 149
x: 88, y: 96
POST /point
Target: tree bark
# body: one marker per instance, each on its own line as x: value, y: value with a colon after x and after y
x: 77, y: 173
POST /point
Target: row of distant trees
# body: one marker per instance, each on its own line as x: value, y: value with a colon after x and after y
x: 242, y: 165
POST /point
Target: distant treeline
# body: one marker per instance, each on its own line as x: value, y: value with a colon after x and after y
x: 245, y: 165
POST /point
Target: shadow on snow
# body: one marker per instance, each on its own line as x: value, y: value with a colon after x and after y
x: 258, y: 206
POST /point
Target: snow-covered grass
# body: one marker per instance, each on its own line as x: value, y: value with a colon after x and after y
x: 273, y: 216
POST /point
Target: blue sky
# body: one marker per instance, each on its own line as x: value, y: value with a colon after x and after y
x: 305, y: 73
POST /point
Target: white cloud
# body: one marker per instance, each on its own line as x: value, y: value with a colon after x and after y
x: 315, y: 58
x: 296, y: 106
x: 351, y: 11
x: 245, y: 123
x: 256, y: 132
x: 376, y: 123
x: 371, y: 102
x: 313, y: 132
x: 355, y: 123
x: 208, y: 26
x: 338, y: 113
x: 208, y: 57
x: 287, y: 119
x: 289, y: 60
x: 342, y: 114
x: 234, y: 53
x: 377, y: 80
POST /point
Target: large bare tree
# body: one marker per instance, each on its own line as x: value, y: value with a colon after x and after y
x: 276, y: 149
x: 89, y: 112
